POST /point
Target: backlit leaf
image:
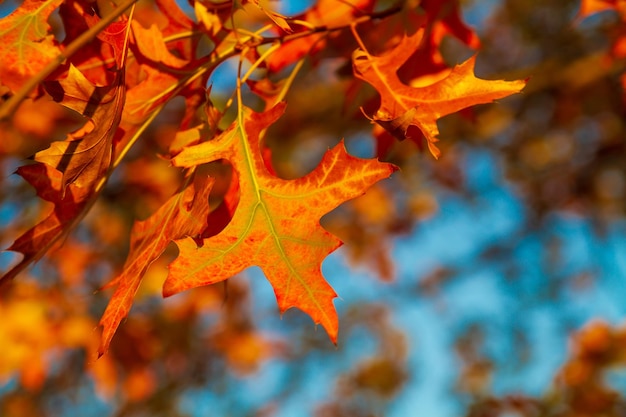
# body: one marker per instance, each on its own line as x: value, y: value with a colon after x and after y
x: 276, y: 223
x: 403, y: 106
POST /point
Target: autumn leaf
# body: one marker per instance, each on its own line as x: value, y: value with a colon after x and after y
x: 152, y: 46
x: 162, y: 75
x: 86, y: 154
x: 276, y: 223
x: 448, y: 14
x: 244, y: 349
x: 184, y: 214
x: 403, y: 106
x: 442, y: 20
x: 94, y: 58
x: 26, y: 43
x: 68, y: 204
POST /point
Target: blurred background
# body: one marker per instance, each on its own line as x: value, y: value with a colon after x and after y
x: 490, y: 282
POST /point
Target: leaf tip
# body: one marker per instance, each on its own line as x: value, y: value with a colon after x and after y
x: 105, y: 341
x: 168, y: 290
x: 172, y: 287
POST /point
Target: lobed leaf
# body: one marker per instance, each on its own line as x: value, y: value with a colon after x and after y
x: 276, y: 223
x: 403, y: 106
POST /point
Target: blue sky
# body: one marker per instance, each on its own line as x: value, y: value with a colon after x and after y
x: 480, y: 293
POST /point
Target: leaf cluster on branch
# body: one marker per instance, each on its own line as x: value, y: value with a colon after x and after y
x: 119, y: 65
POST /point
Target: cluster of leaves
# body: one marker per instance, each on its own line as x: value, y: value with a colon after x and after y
x: 121, y: 75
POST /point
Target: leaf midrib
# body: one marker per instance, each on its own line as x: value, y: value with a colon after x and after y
x: 249, y: 161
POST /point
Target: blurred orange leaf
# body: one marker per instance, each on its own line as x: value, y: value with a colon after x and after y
x: 588, y: 7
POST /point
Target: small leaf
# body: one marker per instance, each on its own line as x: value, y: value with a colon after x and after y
x: 184, y: 214
x: 85, y: 156
x: 403, y: 105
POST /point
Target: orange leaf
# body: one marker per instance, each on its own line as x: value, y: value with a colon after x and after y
x: 278, y: 19
x: 244, y: 349
x: 152, y: 46
x: 26, y: 44
x: 276, y: 223
x: 184, y: 214
x: 448, y: 13
x: 403, y: 106
x: 86, y: 154
x: 68, y: 204
x: 94, y: 58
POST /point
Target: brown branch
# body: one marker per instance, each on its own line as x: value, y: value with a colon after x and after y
x: 324, y: 28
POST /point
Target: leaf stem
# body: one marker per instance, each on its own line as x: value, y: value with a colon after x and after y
x: 289, y: 80
x: 325, y: 28
x: 358, y: 39
x: 258, y: 62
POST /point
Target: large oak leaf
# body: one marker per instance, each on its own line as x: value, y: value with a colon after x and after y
x: 403, y: 105
x: 276, y: 223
